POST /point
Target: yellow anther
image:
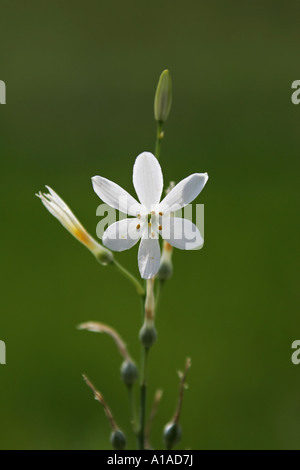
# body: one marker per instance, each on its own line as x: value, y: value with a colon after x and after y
x: 138, y: 227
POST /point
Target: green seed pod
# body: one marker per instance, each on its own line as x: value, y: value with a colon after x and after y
x: 163, y: 97
x: 118, y: 440
x: 148, y: 335
x: 172, y: 435
x: 129, y: 372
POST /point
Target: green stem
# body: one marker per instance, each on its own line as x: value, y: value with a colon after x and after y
x: 159, y: 285
x: 132, y: 409
x: 143, y: 308
x: 130, y: 277
x: 159, y: 138
x: 145, y: 351
x: 143, y: 399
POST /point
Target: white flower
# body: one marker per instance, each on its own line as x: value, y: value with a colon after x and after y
x: 150, y: 217
x: 59, y: 209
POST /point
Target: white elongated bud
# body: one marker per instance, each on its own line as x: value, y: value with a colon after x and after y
x: 163, y: 97
x: 61, y: 211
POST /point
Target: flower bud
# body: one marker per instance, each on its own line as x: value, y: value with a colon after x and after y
x: 148, y: 334
x: 163, y: 97
x: 172, y: 435
x: 118, y: 440
x: 165, y: 271
x: 129, y: 373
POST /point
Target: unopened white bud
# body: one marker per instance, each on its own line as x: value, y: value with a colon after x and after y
x: 62, y: 212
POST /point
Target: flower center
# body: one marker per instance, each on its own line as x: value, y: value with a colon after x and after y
x: 153, y: 220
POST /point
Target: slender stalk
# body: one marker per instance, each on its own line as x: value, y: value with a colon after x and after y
x: 159, y: 138
x: 130, y: 277
x: 100, y: 399
x: 145, y: 351
x: 159, y: 285
x: 143, y: 398
x: 182, y: 376
x: 132, y: 409
x: 148, y: 338
x: 156, y: 402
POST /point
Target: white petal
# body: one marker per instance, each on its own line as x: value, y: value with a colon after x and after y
x: 122, y: 235
x: 148, y: 179
x: 181, y: 233
x: 115, y: 196
x: 184, y: 192
x: 149, y: 257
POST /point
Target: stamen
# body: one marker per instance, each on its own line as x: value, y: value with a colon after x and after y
x: 161, y: 213
x: 153, y: 212
x: 152, y: 234
x: 160, y: 227
x: 139, y: 216
x: 138, y: 226
x: 149, y: 224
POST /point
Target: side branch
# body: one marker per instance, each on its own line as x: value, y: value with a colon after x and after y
x: 99, y: 397
x: 182, y: 376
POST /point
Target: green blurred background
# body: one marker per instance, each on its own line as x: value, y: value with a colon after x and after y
x: 80, y: 85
